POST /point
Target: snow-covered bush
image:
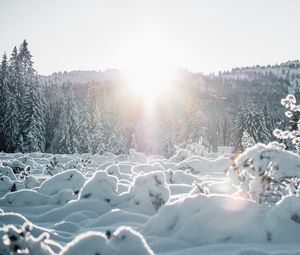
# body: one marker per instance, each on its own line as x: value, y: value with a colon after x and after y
x: 101, y: 186
x: 215, y: 219
x: 293, y: 113
x: 23, y: 198
x: 137, y: 157
x: 69, y: 179
x: 181, y: 154
x: 266, y: 172
x: 194, y: 148
x: 7, y: 171
x: 122, y: 241
x: 247, y: 140
x: 15, y: 240
x: 147, y: 193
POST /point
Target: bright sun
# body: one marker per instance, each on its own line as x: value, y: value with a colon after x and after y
x: 149, y: 63
x: 149, y: 82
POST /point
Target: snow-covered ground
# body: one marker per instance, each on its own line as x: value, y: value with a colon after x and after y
x: 137, y: 204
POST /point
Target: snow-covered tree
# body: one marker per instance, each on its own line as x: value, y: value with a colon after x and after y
x: 68, y: 142
x: 3, y: 97
x: 33, y: 118
x: 293, y: 132
x: 85, y: 139
x: 247, y: 140
x: 9, y: 107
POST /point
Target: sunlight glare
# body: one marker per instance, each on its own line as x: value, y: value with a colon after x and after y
x: 150, y: 63
x: 149, y: 83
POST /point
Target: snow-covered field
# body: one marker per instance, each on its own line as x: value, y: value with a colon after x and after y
x: 110, y: 205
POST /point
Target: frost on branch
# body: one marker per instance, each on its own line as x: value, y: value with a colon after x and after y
x: 293, y: 113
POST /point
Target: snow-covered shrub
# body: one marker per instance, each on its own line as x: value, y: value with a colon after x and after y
x: 69, y: 179
x: 7, y: 171
x: 202, y: 219
x: 115, y: 171
x: 15, y: 240
x: 101, y: 186
x: 30, y: 182
x: 16, y: 165
x: 62, y: 197
x: 126, y: 241
x: 89, y: 243
x: 122, y: 241
x: 247, y: 140
x: 266, y: 172
x: 179, y: 177
x: 24, y: 197
x: 53, y: 167
x: 147, y: 193
x: 146, y: 168
x: 6, y: 185
x: 202, y: 165
x: 181, y: 154
x: 195, y: 148
x: 137, y: 157
x: 293, y: 113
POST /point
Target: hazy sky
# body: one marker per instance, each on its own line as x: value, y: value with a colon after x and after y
x: 200, y: 35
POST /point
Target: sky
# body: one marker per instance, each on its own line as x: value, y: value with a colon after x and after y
x: 199, y: 35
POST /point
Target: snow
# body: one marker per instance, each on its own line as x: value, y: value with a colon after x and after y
x: 148, y: 205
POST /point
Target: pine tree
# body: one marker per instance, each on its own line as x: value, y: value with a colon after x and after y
x: 53, y: 108
x: 263, y: 134
x: 30, y: 101
x: 16, y: 78
x: 85, y: 141
x: 239, y: 127
x: 68, y: 142
x: 95, y: 123
x: 270, y: 125
x: 255, y: 125
x: 27, y: 73
x: 9, y: 110
x: 33, y: 118
x: 3, y: 87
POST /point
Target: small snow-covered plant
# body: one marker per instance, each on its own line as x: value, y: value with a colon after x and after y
x: 85, y: 162
x: 50, y: 167
x: 195, y: 148
x: 25, y: 173
x: 15, y: 240
x: 266, y: 173
x: 293, y: 113
x: 247, y: 140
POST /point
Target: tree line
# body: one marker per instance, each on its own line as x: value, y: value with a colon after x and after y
x: 99, y: 117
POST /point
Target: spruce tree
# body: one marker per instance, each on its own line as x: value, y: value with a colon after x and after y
x: 85, y: 141
x: 68, y: 142
x: 33, y: 118
x: 27, y: 73
x: 95, y: 123
x: 9, y: 110
x: 16, y: 78
x: 3, y: 87
x: 30, y: 100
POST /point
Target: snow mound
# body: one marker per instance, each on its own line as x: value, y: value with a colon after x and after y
x: 222, y: 219
x: 181, y: 155
x: 24, y: 198
x: 284, y: 163
x: 101, y: 186
x: 69, y: 179
x: 20, y: 241
x: 123, y: 241
x: 147, y: 193
x: 201, y: 165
